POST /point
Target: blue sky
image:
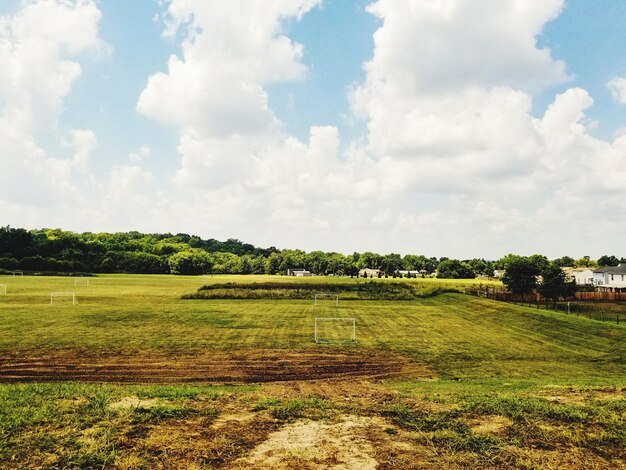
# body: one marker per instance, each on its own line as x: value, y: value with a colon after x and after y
x: 308, y: 123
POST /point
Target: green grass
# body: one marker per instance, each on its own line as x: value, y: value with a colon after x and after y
x: 543, y: 372
x: 456, y: 335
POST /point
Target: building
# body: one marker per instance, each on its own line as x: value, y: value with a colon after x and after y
x: 610, y: 279
x: 298, y: 272
x: 582, y: 276
x: 367, y: 272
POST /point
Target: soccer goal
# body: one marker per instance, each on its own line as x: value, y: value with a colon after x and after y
x: 335, y: 330
x: 334, y: 297
x: 18, y: 273
x: 3, y: 289
x: 82, y: 281
x: 60, y: 296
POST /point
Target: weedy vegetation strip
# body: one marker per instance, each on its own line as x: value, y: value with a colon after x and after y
x: 366, y: 290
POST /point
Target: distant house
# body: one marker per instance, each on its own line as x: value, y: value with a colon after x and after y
x: 610, y: 279
x: 582, y: 276
x: 298, y: 272
x: 369, y: 272
x: 412, y: 273
x: 498, y: 273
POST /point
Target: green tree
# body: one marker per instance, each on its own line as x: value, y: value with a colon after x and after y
x: 565, y: 262
x: 369, y: 260
x: 190, y: 262
x: 520, y: 275
x: 554, y: 283
x: 391, y: 263
x: 585, y: 262
x: 607, y: 260
x: 273, y: 263
x: 455, y: 269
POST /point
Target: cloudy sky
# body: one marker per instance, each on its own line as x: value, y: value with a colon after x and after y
x: 443, y: 127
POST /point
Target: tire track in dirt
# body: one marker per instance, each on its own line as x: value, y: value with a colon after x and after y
x: 255, y: 366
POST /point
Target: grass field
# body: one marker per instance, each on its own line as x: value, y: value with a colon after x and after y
x: 133, y: 376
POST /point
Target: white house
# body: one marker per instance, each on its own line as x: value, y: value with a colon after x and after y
x: 612, y: 279
x: 582, y: 276
x: 367, y: 272
x: 298, y: 272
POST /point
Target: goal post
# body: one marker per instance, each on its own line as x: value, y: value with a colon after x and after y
x: 81, y: 281
x: 3, y: 289
x: 334, y: 330
x: 326, y: 296
x: 56, y: 295
x: 18, y: 273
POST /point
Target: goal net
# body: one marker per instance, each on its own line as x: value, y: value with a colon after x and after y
x: 63, y: 298
x: 81, y: 282
x: 335, y: 330
x: 321, y: 299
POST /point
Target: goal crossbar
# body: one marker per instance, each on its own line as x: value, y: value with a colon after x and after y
x: 63, y: 294
x: 336, y: 319
x: 323, y: 295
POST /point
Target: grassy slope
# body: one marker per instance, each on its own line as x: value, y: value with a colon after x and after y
x: 510, y: 361
x: 455, y: 334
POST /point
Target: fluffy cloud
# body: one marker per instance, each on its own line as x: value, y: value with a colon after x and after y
x: 453, y: 160
x: 617, y: 86
x: 39, y: 46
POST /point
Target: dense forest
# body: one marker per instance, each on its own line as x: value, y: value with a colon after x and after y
x: 59, y: 251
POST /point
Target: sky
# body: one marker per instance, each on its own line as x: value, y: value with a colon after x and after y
x: 459, y: 128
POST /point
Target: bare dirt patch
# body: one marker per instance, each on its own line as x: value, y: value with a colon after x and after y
x: 312, y: 444
x: 255, y: 366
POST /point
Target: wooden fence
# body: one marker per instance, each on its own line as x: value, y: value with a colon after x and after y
x: 504, y: 296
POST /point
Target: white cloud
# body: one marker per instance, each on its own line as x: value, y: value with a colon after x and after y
x: 617, y: 87
x: 37, y: 49
x: 452, y: 162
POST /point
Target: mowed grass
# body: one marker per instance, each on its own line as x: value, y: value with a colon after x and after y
x: 456, y: 335
x: 511, y: 386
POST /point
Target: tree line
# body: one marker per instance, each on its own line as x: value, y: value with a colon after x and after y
x: 56, y: 250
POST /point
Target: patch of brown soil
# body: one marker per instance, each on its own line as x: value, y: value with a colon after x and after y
x: 205, y: 367
x: 196, y: 443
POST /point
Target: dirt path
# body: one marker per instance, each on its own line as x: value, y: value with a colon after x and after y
x: 205, y: 367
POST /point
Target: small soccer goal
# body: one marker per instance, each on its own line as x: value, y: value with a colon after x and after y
x: 81, y: 281
x: 18, y: 273
x: 320, y: 299
x: 3, y: 289
x: 335, y: 330
x: 63, y: 297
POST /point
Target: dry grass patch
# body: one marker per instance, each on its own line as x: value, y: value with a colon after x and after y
x: 489, y: 425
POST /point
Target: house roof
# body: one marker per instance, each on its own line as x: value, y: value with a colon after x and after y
x: 621, y: 269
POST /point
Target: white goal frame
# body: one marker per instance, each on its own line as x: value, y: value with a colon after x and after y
x: 3, y: 289
x: 63, y: 294
x: 336, y: 296
x: 83, y: 281
x: 343, y: 319
x: 18, y: 273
